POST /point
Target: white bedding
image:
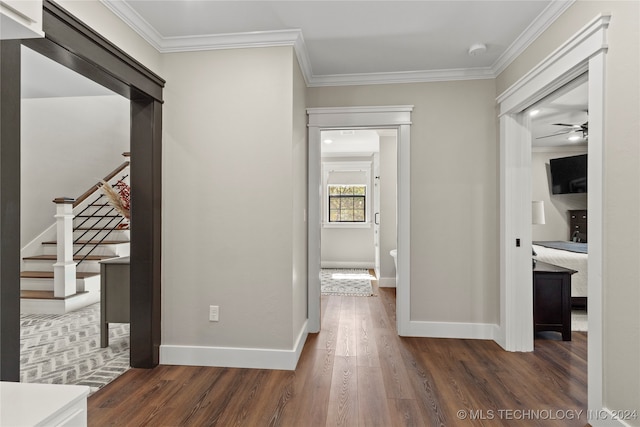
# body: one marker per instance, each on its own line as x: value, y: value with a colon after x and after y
x: 567, y: 259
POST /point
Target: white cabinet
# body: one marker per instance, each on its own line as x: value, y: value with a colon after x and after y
x: 20, y: 19
x: 43, y: 405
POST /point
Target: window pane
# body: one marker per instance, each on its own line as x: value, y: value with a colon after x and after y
x: 347, y: 203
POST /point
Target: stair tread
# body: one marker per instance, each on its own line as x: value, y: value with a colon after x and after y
x: 46, y: 295
x: 49, y: 274
x: 77, y: 257
x: 91, y: 242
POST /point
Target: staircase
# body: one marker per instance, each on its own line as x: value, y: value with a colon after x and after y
x: 99, y: 233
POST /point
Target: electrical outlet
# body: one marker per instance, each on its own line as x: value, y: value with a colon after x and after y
x: 214, y: 313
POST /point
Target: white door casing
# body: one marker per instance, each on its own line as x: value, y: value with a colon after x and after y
x: 384, y: 117
x: 584, y: 52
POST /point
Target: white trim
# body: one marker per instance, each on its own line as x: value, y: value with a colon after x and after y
x: 346, y: 224
x: 571, y: 58
x: 530, y: 34
x: 387, y: 282
x: 583, y: 52
x: 605, y: 418
x: 233, y: 357
x: 421, y: 76
x: 348, y: 264
x: 295, y: 38
x: 347, y: 166
x: 394, y: 117
x: 480, y: 331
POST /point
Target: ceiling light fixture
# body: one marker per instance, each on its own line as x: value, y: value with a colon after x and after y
x: 328, y: 141
x: 574, y: 138
x: 534, y: 113
x: 477, y: 49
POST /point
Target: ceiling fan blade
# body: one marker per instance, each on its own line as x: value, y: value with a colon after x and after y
x: 555, y: 134
x: 566, y: 124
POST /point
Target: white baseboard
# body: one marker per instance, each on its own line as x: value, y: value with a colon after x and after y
x: 228, y: 357
x: 480, y: 331
x: 387, y: 282
x: 605, y: 417
x: 347, y: 264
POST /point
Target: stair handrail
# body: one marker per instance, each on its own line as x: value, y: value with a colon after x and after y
x: 106, y: 227
x: 65, y: 267
x: 96, y: 186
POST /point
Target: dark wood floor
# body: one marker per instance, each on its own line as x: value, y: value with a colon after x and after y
x: 358, y: 372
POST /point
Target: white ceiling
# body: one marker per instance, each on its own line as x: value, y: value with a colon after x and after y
x: 349, y: 143
x: 345, y: 42
x: 353, y: 42
x: 568, y: 105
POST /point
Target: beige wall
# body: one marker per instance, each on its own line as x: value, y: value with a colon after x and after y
x: 556, y: 206
x: 388, y: 204
x: 229, y: 226
x: 454, y: 193
x: 299, y: 165
x: 88, y: 132
x: 621, y: 210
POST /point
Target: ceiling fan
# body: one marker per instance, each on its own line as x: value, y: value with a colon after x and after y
x: 570, y: 128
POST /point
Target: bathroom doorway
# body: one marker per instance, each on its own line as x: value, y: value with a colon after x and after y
x: 358, y: 210
x: 397, y: 118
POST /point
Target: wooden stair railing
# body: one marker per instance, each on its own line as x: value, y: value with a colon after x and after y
x: 96, y: 186
x: 65, y: 266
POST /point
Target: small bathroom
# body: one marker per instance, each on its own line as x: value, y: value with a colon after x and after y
x: 363, y: 162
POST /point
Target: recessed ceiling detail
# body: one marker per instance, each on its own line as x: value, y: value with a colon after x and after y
x: 353, y: 42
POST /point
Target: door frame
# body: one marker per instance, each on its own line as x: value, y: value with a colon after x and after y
x: 385, y: 117
x: 584, y: 52
x: 73, y: 44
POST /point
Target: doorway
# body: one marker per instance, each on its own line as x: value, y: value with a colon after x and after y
x: 584, y: 52
x: 359, y: 204
x: 83, y: 50
x: 397, y: 118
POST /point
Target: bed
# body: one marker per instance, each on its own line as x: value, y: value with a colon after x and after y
x: 571, y: 255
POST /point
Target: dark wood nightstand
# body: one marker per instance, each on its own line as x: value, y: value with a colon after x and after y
x: 552, y: 299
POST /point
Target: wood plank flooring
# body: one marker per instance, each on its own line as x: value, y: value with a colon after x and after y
x: 357, y: 372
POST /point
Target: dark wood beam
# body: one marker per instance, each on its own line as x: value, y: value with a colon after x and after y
x: 10, y: 210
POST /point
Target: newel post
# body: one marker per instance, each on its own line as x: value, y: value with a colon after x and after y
x: 64, y: 270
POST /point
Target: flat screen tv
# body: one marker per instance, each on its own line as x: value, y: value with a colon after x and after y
x: 569, y: 174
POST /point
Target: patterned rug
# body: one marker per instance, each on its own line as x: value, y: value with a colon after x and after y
x: 349, y: 282
x: 65, y: 349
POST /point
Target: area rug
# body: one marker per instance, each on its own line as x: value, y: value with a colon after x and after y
x: 65, y: 349
x: 347, y: 282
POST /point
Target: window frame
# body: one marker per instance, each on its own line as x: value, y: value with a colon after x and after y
x: 346, y: 166
x: 345, y: 196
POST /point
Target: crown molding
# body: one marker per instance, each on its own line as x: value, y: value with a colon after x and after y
x: 295, y: 38
x: 137, y: 23
x: 531, y: 33
x: 401, y: 77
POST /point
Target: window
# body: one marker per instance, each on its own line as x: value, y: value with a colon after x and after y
x: 347, y: 203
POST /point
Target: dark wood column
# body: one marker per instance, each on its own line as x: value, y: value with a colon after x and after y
x: 146, y: 194
x: 72, y: 43
x: 10, y: 210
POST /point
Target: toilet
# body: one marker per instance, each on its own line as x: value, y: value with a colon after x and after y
x: 394, y: 254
